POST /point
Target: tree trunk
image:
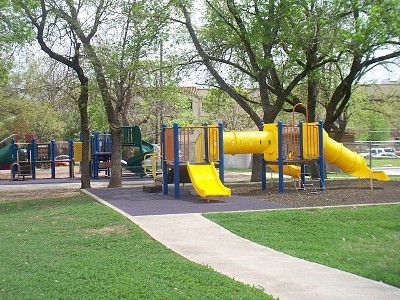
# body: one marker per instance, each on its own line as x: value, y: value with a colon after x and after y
x: 115, y: 179
x: 256, y: 168
x: 312, y: 100
x: 112, y: 116
x: 85, y: 168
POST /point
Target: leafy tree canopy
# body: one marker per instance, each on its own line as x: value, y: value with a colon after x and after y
x: 294, y: 51
x: 13, y: 31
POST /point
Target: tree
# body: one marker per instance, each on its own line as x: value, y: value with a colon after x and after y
x: 223, y: 108
x: 47, y: 83
x: 166, y: 105
x: 126, y: 59
x: 370, y: 37
x: 105, y: 15
x: 50, y: 31
x: 251, y: 42
x: 280, y: 46
x: 373, y: 111
x: 13, y: 31
x: 26, y: 116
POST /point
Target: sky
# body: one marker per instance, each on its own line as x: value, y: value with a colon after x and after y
x: 382, y: 75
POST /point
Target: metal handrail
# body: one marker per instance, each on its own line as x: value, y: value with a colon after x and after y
x: 9, y: 137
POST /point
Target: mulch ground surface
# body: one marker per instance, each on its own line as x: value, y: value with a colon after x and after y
x: 337, y: 192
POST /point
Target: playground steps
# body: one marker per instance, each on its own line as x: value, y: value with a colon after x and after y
x: 23, y: 169
x: 306, y: 180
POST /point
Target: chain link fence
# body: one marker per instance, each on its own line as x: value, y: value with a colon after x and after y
x: 379, y: 155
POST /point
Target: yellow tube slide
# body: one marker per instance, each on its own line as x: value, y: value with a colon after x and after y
x: 243, y: 142
x: 258, y: 142
x: 290, y: 170
x: 349, y: 161
x: 266, y: 142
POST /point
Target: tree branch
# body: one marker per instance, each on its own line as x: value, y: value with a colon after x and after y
x: 221, y: 82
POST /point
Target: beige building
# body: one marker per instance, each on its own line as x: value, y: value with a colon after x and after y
x: 386, y: 89
x: 381, y: 91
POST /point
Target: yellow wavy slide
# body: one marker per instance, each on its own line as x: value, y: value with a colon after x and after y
x: 349, y: 161
x: 205, y: 180
x: 266, y: 142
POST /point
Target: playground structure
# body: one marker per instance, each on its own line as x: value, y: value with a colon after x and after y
x: 100, y: 150
x: 286, y: 148
x: 27, y: 157
x: 5, y: 157
x: 289, y: 149
x: 136, y: 163
x: 24, y: 158
x: 135, y: 152
x: 177, y: 157
x: 290, y: 156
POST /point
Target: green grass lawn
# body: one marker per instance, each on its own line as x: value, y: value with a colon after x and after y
x: 362, y: 240
x: 379, y: 162
x: 75, y: 248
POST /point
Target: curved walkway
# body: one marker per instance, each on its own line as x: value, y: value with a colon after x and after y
x: 281, y: 275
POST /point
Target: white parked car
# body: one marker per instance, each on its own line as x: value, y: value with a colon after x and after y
x: 387, y: 152
x: 386, y: 155
x: 374, y: 152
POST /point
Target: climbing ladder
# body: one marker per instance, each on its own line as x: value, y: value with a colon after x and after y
x: 306, y: 180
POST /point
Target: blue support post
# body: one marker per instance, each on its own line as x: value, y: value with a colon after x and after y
x: 302, y: 166
x: 164, y: 161
x: 71, y: 158
x: 221, y: 152
x: 107, y: 148
x: 206, y: 156
x: 263, y: 174
x: 14, y: 156
x: 280, y: 155
x: 91, y: 162
x: 96, y: 148
x: 321, y: 160
x: 53, y: 158
x: 301, y: 139
x: 33, y: 154
x: 107, y: 143
x: 176, y: 160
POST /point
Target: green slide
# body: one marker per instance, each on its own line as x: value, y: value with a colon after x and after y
x: 134, y: 164
x: 132, y: 137
x: 6, y: 157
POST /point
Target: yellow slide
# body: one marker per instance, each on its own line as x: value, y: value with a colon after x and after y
x: 205, y: 180
x: 258, y: 142
x: 349, y: 161
x: 266, y: 142
x: 290, y: 170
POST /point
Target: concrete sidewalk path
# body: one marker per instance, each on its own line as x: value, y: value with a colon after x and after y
x: 283, y: 276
